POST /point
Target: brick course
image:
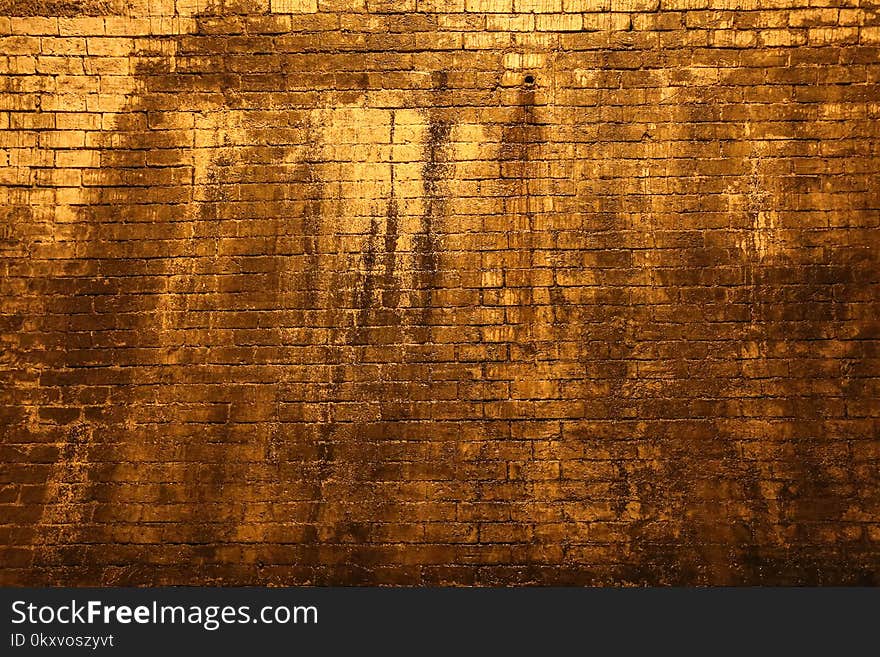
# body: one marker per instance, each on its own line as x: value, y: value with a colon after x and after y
x: 422, y: 292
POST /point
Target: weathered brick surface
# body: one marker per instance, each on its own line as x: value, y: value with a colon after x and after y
x: 422, y: 291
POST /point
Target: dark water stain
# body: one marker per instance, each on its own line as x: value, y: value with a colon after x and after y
x: 364, y: 293
x: 98, y: 311
x: 426, y: 242
x: 311, y: 222
x: 784, y: 486
x: 667, y: 459
x: 123, y: 324
x: 520, y: 156
x: 391, y: 292
x: 436, y: 167
x: 377, y: 294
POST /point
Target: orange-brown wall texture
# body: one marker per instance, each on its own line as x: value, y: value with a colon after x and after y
x: 439, y: 292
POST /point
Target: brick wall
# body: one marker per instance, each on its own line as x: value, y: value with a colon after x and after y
x: 439, y: 291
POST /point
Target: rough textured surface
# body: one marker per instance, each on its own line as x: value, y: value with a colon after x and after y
x: 439, y: 292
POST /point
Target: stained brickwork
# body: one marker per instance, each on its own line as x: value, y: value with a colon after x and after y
x: 439, y: 291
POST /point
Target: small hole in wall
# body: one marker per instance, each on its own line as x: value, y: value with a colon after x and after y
x: 529, y: 79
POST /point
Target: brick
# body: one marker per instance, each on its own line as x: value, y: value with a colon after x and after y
x: 869, y: 35
x: 559, y: 22
x: 635, y: 5
x: 490, y: 6
x: 109, y: 47
x: 34, y: 25
x: 81, y: 26
x: 19, y: 45
x: 510, y: 22
x: 294, y: 6
x: 538, y: 6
